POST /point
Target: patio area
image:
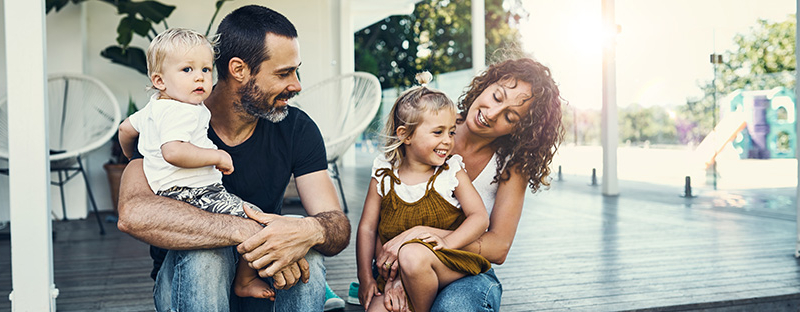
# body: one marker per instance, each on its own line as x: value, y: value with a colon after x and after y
x: 647, y: 249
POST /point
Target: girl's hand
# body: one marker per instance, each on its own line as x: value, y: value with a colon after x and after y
x: 438, y: 241
x: 395, y: 299
x: 366, y: 291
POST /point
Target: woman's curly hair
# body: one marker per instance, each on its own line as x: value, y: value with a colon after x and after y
x: 530, y: 147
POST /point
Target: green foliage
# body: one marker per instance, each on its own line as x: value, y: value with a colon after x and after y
x: 139, y: 18
x: 646, y: 124
x: 764, y: 58
x: 436, y: 38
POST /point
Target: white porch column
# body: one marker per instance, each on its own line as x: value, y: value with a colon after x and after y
x: 347, y: 62
x: 797, y: 125
x: 31, y: 238
x: 609, y: 123
x: 347, y: 54
x: 478, y: 35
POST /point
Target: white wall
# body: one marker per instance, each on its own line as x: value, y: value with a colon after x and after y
x: 75, y: 39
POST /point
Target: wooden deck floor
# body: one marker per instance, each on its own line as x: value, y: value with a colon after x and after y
x: 647, y: 249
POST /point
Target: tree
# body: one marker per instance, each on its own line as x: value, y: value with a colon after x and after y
x: 646, y: 124
x: 436, y: 37
x: 763, y: 59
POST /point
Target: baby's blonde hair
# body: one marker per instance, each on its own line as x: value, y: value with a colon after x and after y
x: 408, y: 110
x: 171, y: 41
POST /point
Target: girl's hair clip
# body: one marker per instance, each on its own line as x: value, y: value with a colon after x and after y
x: 423, y: 78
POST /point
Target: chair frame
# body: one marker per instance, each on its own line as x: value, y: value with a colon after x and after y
x: 333, y: 168
x: 58, y: 161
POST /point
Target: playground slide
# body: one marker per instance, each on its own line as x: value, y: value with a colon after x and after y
x: 723, y: 133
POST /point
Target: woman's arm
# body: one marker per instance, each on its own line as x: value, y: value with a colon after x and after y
x: 477, y: 220
x: 365, y: 244
x: 496, y: 242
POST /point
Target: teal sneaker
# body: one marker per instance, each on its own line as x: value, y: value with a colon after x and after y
x: 352, y: 295
x: 332, y: 301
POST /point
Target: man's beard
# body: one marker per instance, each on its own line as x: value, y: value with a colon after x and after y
x: 256, y: 103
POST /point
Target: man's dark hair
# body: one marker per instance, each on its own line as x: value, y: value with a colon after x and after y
x: 242, y: 34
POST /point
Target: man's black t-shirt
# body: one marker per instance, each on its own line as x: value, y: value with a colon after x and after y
x: 264, y: 163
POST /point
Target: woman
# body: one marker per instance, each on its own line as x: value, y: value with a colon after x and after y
x: 509, y: 130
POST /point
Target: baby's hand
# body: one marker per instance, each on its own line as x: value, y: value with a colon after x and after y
x: 436, y: 240
x: 225, y: 163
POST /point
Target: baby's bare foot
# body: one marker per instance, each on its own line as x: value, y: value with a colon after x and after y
x: 253, y: 287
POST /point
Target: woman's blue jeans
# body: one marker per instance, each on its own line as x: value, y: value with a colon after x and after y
x: 480, y: 292
x: 200, y: 280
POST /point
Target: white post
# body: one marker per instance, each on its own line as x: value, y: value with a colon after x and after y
x: 31, y: 236
x: 347, y: 62
x: 347, y: 52
x: 478, y: 36
x: 797, y: 126
x: 610, y: 131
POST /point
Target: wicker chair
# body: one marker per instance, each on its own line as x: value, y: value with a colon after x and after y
x: 342, y: 107
x: 83, y: 115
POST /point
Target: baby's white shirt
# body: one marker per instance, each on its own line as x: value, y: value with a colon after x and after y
x: 162, y: 121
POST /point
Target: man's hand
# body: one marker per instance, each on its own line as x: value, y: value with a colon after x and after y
x: 284, y: 241
x: 292, y: 274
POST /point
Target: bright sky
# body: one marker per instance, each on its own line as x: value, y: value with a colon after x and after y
x: 662, y: 50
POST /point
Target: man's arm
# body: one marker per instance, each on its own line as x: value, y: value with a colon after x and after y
x: 321, y: 202
x: 285, y: 239
x: 172, y: 224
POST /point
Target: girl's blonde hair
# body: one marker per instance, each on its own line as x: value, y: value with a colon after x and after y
x: 171, y: 41
x: 408, y: 110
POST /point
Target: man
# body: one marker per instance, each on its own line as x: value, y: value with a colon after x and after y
x: 268, y: 142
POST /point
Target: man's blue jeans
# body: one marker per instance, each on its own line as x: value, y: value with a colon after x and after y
x: 480, y: 292
x: 200, y: 280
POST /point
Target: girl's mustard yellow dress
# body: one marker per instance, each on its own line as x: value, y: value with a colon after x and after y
x: 397, y: 216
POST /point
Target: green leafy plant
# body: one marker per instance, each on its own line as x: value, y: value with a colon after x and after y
x: 138, y: 18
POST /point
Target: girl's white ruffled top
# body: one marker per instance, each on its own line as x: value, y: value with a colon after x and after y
x: 445, y: 184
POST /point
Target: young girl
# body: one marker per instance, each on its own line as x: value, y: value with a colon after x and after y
x: 417, y: 182
x: 180, y: 161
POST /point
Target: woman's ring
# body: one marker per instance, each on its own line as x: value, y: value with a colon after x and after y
x: 388, y: 265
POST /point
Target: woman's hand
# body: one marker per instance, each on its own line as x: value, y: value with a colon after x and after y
x: 438, y: 241
x: 386, y: 258
x: 366, y: 291
x: 395, y: 296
